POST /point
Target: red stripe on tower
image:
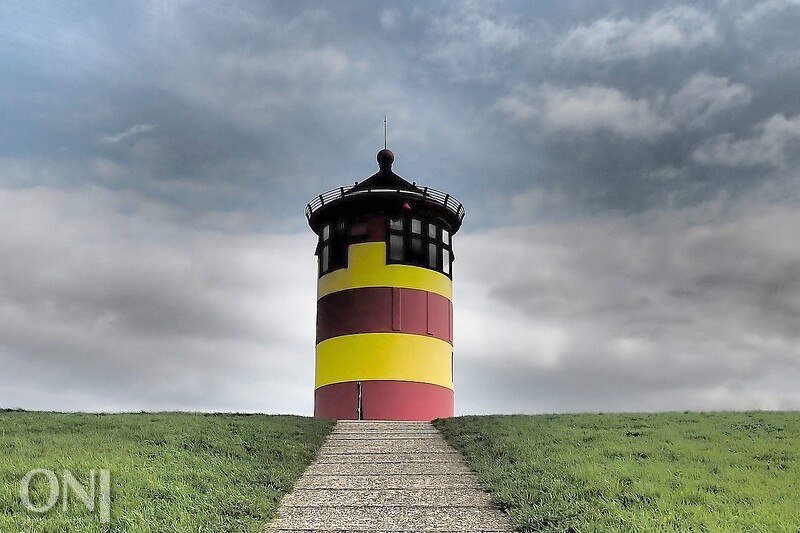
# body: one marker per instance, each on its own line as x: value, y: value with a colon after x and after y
x: 383, y: 310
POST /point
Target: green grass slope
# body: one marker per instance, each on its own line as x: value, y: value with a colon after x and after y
x: 170, y: 472
x: 718, y: 472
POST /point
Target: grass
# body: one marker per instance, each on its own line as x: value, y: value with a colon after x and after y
x: 170, y: 472
x: 671, y: 472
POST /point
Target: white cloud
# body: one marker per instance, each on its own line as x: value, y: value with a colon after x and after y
x: 251, y: 86
x: 751, y: 15
x: 389, y: 18
x: 136, y: 129
x: 261, y: 63
x: 678, y: 28
x: 470, y: 23
x: 705, y: 97
x: 772, y: 144
x: 587, y: 108
x: 471, y: 41
x: 698, y: 103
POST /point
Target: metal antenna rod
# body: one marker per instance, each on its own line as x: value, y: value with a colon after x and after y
x: 385, y: 131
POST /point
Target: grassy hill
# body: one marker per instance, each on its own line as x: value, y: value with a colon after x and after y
x: 170, y: 472
x: 181, y: 472
x: 717, y: 472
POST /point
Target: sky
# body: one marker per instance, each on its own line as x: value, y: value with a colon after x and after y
x: 630, y: 171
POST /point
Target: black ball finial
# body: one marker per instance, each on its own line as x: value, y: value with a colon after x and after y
x: 385, y: 159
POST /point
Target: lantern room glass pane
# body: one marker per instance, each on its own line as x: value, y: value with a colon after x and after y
x: 446, y: 261
x: 338, y: 254
x: 416, y: 246
x: 326, y: 232
x: 445, y: 236
x: 432, y: 255
x: 432, y: 231
x: 324, y: 258
x: 396, y: 223
x: 416, y: 226
x: 396, y: 247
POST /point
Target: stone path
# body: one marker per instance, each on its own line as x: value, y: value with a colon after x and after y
x: 387, y: 476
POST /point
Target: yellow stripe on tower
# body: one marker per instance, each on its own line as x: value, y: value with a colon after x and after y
x: 367, y: 268
x: 384, y: 356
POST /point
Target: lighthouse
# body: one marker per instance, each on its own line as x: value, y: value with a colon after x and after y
x: 384, y: 343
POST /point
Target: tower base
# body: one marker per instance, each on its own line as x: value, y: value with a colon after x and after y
x: 383, y: 400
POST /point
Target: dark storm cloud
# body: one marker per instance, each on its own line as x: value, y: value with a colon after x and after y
x: 636, y: 104
x: 629, y: 170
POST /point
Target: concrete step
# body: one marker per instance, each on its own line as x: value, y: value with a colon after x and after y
x: 450, y: 497
x: 399, y: 446
x: 389, y: 423
x: 386, y: 469
x: 383, y: 518
x: 381, y: 438
x: 385, y: 434
x: 383, y: 441
x: 404, y: 481
x: 383, y: 426
x: 285, y: 530
x: 343, y: 424
x: 421, y: 457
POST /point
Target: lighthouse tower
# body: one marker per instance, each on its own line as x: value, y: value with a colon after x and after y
x: 384, y: 348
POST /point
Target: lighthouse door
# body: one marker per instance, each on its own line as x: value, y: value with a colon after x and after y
x: 360, y: 403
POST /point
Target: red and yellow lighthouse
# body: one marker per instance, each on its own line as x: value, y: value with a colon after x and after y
x: 384, y: 299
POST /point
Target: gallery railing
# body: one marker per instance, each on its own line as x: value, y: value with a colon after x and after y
x: 428, y: 194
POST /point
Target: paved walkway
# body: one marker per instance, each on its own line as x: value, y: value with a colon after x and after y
x: 387, y: 476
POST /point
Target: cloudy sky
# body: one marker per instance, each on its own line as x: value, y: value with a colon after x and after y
x: 630, y: 171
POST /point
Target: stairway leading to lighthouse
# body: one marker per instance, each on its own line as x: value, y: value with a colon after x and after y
x: 387, y: 476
